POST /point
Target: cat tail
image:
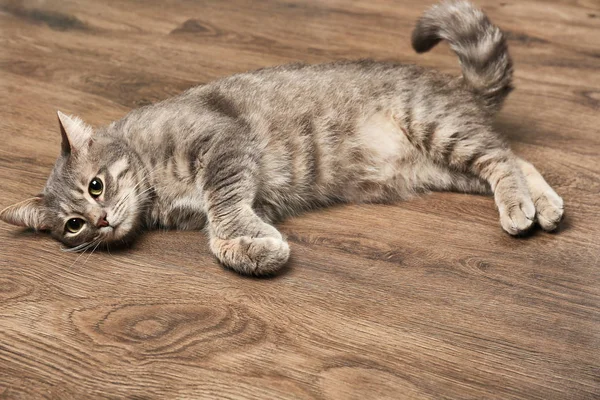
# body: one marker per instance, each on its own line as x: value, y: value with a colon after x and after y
x: 481, y: 48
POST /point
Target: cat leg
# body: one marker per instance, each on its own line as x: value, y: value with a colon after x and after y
x: 500, y: 168
x: 239, y: 238
x: 435, y: 176
x: 548, y: 204
x: 476, y: 156
x: 250, y: 255
x: 466, y: 183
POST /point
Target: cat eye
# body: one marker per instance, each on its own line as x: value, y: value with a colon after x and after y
x: 74, y: 225
x: 96, y: 187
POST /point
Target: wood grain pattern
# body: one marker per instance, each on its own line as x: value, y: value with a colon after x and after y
x: 426, y: 299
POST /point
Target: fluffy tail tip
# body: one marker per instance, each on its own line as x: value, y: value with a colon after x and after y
x: 424, y: 37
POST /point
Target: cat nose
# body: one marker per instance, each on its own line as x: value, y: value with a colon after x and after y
x: 102, y: 222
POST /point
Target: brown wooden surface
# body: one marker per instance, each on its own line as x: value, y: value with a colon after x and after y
x: 426, y: 299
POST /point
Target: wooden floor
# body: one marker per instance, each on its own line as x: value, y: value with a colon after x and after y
x: 426, y: 299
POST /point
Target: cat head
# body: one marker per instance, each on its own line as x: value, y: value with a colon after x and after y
x: 95, y: 193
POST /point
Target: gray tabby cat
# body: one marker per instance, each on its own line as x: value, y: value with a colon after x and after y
x: 237, y: 154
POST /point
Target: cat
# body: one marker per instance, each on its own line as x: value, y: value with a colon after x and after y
x: 238, y: 154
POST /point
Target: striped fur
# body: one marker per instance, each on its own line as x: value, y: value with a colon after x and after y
x: 240, y: 153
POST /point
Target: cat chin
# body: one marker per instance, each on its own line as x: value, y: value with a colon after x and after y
x: 109, y: 232
x: 122, y: 232
x: 114, y: 233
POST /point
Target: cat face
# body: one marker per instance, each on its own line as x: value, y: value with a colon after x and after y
x: 94, y: 194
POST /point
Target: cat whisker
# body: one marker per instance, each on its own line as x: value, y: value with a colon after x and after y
x: 77, y: 259
x: 92, y: 252
x: 75, y: 249
x: 86, y: 246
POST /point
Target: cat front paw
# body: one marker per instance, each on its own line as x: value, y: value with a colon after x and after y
x: 251, y: 256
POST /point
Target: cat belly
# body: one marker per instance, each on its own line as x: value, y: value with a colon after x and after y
x: 384, y: 159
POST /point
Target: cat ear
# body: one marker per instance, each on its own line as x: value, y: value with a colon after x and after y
x: 28, y: 213
x: 75, y: 133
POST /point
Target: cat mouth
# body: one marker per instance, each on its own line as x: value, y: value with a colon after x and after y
x: 111, y: 231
